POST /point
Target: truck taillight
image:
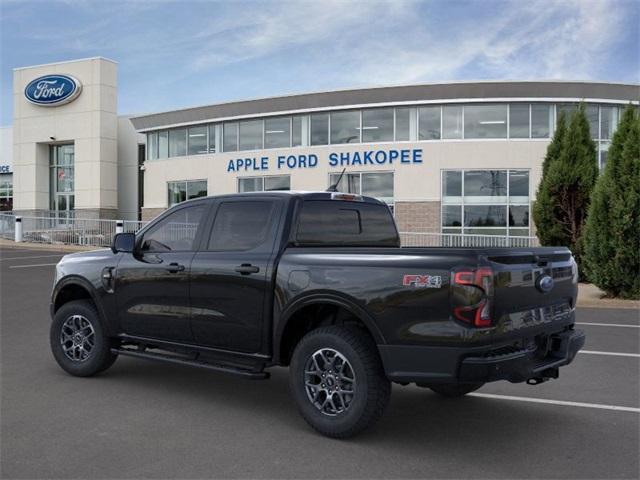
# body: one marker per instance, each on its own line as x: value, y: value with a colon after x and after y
x: 478, y: 314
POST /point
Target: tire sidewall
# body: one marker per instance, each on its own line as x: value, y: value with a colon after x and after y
x: 343, y: 421
x: 102, y: 347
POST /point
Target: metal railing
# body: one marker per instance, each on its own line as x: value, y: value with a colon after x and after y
x: 7, y: 226
x: 419, y: 239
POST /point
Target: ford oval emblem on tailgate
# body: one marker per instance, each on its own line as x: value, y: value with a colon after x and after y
x: 544, y: 283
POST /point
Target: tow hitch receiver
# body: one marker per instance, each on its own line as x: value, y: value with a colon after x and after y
x: 545, y: 375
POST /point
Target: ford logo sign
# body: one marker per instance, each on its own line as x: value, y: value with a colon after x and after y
x: 52, y: 90
x: 544, y: 283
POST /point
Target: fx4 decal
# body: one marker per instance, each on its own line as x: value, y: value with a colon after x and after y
x: 422, y: 281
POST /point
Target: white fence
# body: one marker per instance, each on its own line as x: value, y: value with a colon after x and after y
x: 99, y: 233
x: 414, y: 239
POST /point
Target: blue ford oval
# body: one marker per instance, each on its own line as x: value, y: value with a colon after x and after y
x: 51, y: 90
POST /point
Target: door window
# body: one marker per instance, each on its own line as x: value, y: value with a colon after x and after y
x: 241, y: 225
x: 175, y: 232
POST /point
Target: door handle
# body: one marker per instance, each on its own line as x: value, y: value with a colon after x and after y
x: 175, y: 268
x: 247, y: 269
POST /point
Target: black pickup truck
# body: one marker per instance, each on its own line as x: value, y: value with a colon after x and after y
x: 317, y: 282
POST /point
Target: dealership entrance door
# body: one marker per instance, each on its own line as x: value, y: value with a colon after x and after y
x: 61, y: 181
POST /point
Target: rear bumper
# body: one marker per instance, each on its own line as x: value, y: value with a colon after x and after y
x: 422, y: 364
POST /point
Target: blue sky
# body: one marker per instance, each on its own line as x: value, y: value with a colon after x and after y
x: 179, y: 54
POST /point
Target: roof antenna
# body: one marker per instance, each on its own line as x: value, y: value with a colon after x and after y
x: 334, y: 187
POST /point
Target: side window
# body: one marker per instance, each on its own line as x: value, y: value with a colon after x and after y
x: 241, y: 225
x: 175, y: 232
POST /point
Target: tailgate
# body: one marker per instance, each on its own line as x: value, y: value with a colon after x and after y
x: 533, y: 287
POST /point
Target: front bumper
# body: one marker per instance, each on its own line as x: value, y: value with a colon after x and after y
x: 422, y: 364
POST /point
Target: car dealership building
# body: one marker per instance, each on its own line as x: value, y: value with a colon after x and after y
x: 451, y: 157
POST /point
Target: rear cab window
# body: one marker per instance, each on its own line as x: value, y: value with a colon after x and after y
x: 341, y: 223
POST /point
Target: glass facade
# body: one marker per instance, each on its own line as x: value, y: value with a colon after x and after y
x: 486, y: 202
x: 264, y: 184
x: 372, y: 184
x: 385, y: 124
x: 6, y: 192
x: 62, y: 179
x: 185, y: 190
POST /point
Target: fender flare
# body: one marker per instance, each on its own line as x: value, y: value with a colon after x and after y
x: 85, y: 284
x: 330, y: 298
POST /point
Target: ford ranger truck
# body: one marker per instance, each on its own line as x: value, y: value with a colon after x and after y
x: 317, y: 282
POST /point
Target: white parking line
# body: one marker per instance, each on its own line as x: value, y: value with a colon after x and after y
x: 608, y: 324
x: 556, y: 402
x: 35, y: 265
x: 32, y: 256
x: 613, y: 354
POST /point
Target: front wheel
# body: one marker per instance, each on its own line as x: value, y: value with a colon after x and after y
x: 78, y: 341
x: 453, y: 390
x: 338, y: 382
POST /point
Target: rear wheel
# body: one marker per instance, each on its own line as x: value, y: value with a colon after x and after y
x: 453, y: 390
x: 78, y: 341
x: 337, y: 381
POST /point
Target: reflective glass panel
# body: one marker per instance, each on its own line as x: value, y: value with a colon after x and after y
x: 152, y: 146
x: 485, y: 183
x: 320, y: 129
x: 403, y: 124
x: 296, y: 131
x: 163, y: 144
x: 277, y: 132
x: 178, y: 142
x: 452, y: 121
x: 230, y: 137
x: 452, y: 216
x: 485, y: 216
x: 253, y: 184
x: 451, y: 184
x: 485, y: 121
x: 377, y: 125
x: 251, y: 135
x: 378, y: 185
x: 197, y: 140
x: 608, y: 122
x: 196, y: 188
x: 345, y: 127
x: 280, y: 182
x: 429, y: 123
x: 212, y: 138
x: 519, y: 120
x: 519, y: 216
x: 519, y: 184
x: 541, y: 120
x: 350, y: 182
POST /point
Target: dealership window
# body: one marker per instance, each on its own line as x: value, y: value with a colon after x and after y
x: 608, y: 121
x: 6, y: 192
x: 178, y: 142
x: 251, y: 133
x: 485, y: 121
x: 212, y: 138
x: 320, y: 129
x: 377, y: 125
x: 277, y: 132
x: 372, y: 184
x: 592, y: 113
x: 452, y: 121
x: 152, y: 146
x: 429, y: 123
x: 296, y: 131
x: 185, y: 190
x: 62, y: 179
x: 230, y: 137
x: 485, y: 202
x: 403, y: 124
x: 264, y: 184
x: 541, y: 120
x: 197, y: 140
x: 163, y: 144
x: 345, y: 127
x: 519, y: 120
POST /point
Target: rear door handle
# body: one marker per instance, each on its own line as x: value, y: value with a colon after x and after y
x: 247, y: 269
x: 175, y: 268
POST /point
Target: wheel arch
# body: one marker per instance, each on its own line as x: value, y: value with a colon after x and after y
x: 294, y: 321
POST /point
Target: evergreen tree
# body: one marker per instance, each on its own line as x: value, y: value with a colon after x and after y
x: 548, y: 231
x: 565, y: 191
x: 612, y: 238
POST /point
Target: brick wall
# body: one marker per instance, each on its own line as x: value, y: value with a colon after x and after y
x: 418, y: 216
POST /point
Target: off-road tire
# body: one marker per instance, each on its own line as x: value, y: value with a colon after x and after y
x: 454, y: 390
x: 99, y: 358
x: 371, y: 391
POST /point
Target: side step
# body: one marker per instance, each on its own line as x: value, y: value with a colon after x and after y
x: 192, y: 363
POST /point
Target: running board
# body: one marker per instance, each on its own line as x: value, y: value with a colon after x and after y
x: 192, y: 363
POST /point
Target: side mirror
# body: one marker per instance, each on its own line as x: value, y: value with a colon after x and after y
x: 124, y: 242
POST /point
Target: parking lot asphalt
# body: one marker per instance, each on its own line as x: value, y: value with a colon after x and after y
x: 152, y: 420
